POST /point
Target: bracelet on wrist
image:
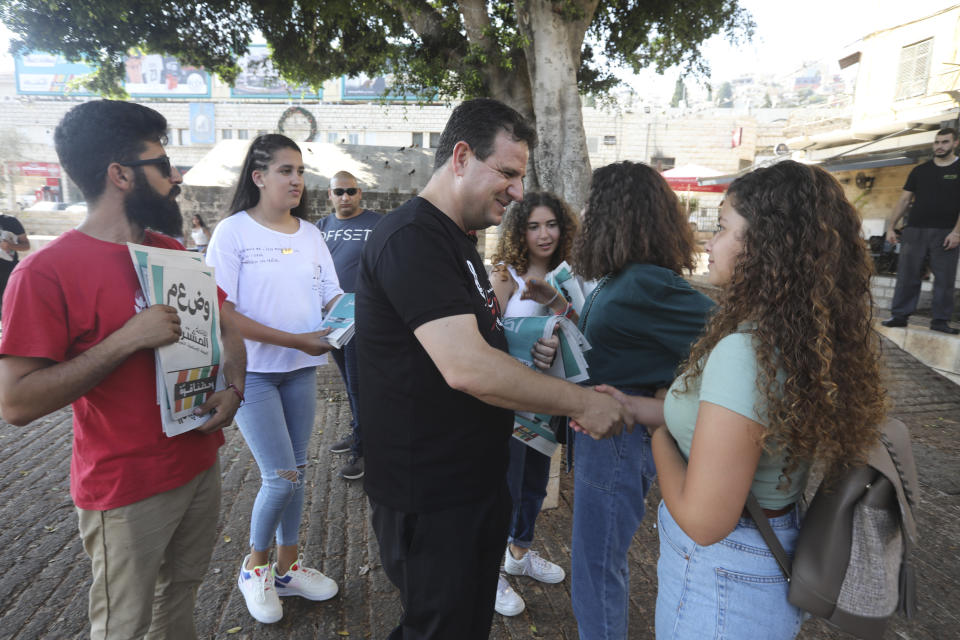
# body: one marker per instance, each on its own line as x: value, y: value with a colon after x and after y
x: 550, y: 301
x: 567, y: 311
x: 236, y: 391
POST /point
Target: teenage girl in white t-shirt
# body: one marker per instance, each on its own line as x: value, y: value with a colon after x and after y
x: 276, y: 269
x: 536, y: 236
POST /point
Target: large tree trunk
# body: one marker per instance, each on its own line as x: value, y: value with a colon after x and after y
x: 553, y: 58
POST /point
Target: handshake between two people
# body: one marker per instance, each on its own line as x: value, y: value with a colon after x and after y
x: 614, y: 410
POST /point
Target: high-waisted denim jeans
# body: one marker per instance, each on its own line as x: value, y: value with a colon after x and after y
x: 527, y: 477
x: 731, y: 590
x: 276, y: 421
x: 611, y: 480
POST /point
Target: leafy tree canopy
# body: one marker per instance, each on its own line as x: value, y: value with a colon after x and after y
x: 458, y: 47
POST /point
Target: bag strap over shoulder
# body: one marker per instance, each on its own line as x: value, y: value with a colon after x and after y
x: 893, y: 457
x: 763, y: 524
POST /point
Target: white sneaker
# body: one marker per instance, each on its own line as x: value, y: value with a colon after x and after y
x: 256, y: 585
x: 531, y: 564
x: 304, y: 582
x: 508, y: 602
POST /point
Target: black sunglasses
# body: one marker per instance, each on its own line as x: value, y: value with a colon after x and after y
x: 162, y: 163
x: 352, y: 191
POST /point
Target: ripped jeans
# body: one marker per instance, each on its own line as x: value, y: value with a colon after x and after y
x: 276, y: 420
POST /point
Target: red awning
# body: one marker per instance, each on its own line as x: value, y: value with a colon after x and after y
x: 691, y: 184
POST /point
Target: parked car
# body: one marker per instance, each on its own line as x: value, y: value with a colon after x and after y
x: 47, y: 205
x: 25, y: 201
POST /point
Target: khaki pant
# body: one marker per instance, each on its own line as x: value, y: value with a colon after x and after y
x: 148, y: 560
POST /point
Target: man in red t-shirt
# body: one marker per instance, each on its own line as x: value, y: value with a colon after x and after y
x: 76, y: 329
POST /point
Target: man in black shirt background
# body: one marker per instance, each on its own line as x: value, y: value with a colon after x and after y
x: 933, y: 229
x: 13, y: 238
x: 439, y: 389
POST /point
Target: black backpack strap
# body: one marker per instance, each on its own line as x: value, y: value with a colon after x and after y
x: 763, y: 524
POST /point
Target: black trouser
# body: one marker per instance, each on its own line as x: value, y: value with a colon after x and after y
x: 916, y: 243
x: 346, y: 359
x: 446, y: 565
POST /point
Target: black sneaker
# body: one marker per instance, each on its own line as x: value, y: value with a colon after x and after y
x: 343, y: 446
x: 352, y: 470
x: 895, y: 321
x: 943, y: 327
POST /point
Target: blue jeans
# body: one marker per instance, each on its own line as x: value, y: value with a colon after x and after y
x: 276, y: 420
x: 527, y: 476
x: 731, y: 589
x: 346, y: 359
x: 611, y: 480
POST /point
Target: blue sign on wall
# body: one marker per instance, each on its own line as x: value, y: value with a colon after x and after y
x: 202, y: 123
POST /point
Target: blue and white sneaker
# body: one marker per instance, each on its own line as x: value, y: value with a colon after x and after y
x: 258, y: 591
x: 304, y: 582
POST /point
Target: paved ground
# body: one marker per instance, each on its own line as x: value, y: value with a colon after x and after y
x: 43, y: 593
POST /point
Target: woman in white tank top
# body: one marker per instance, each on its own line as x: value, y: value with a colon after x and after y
x: 536, y: 236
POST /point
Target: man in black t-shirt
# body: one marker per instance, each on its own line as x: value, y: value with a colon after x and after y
x: 345, y: 233
x: 933, y: 229
x: 439, y: 388
x: 13, y: 238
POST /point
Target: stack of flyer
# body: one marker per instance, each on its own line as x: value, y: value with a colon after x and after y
x: 340, y: 319
x: 571, y: 287
x: 188, y: 371
x: 533, y: 429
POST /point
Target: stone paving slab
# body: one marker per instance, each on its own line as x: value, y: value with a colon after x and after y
x: 44, y: 592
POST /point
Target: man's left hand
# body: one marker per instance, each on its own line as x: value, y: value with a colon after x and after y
x: 224, y: 405
x: 952, y: 241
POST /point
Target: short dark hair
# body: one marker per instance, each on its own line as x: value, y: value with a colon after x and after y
x: 259, y: 156
x: 95, y: 134
x: 477, y: 122
x: 632, y: 216
x: 948, y: 131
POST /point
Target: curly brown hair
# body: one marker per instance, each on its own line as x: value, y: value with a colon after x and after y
x: 512, y: 246
x: 632, y: 216
x: 802, y: 281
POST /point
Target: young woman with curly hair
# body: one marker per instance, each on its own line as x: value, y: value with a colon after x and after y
x: 536, y: 236
x: 786, y: 375
x: 640, y: 321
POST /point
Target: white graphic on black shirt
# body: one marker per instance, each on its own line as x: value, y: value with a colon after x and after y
x: 489, y: 299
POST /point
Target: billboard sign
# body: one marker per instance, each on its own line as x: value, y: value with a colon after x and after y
x: 258, y: 78
x: 363, y: 87
x: 147, y: 76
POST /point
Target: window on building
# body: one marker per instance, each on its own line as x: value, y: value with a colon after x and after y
x: 609, y: 140
x: 707, y: 218
x: 171, y: 137
x: 434, y: 139
x: 184, y: 135
x: 333, y: 137
x: 914, y: 70
x: 417, y: 140
x: 261, y: 132
x: 226, y: 134
x: 353, y: 138
x: 662, y: 163
x: 243, y: 134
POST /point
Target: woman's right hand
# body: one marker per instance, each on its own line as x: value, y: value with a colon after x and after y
x: 645, y: 411
x: 313, y: 343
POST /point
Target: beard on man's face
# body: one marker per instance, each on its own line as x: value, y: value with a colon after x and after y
x: 149, y: 210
